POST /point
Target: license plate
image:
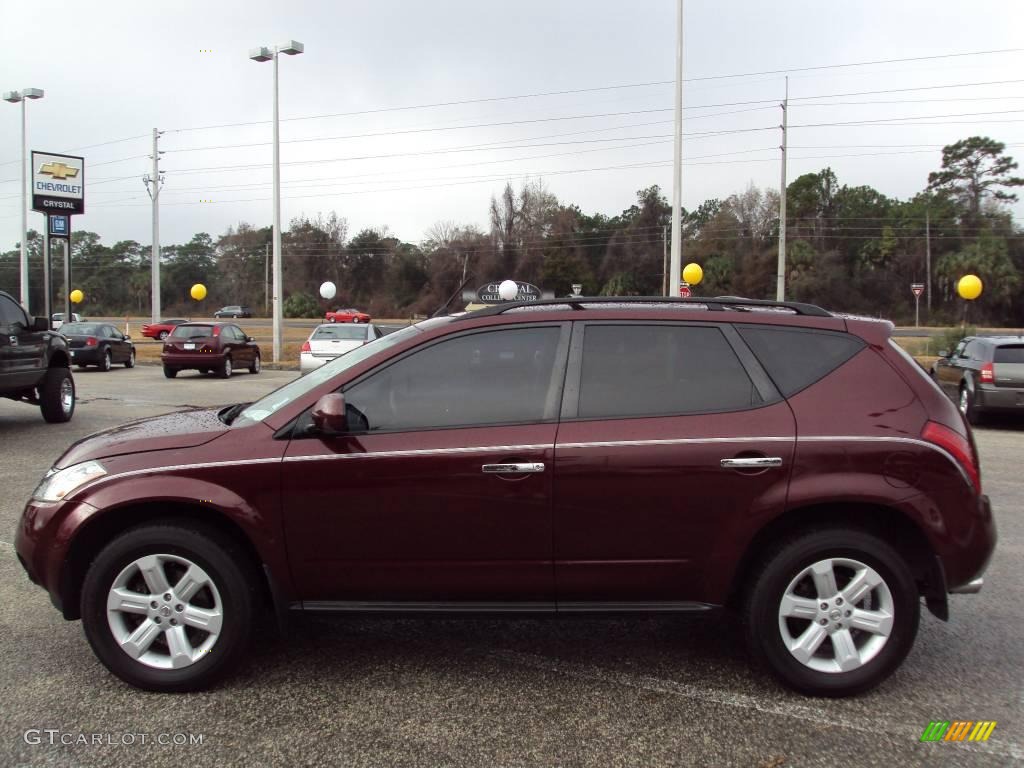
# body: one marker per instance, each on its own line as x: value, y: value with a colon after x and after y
x: 190, y: 346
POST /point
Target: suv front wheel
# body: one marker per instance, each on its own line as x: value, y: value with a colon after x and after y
x: 57, y: 395
x: 833, y: 612
x: 168, y: 606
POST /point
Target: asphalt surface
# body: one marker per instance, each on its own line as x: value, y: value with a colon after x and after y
x: 470, y: 692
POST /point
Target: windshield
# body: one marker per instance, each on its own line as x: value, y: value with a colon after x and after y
x: 191, y: 331
x: 346, y: 332
x: 79, y: 329
x: 290, y: 392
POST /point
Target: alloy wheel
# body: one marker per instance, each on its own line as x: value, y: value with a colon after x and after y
x: 165, y: 611
x: 67, y: 395
x: 836, y: 615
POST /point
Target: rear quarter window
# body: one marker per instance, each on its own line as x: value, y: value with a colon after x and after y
x: 795, y: 358
x: 1009, y: 353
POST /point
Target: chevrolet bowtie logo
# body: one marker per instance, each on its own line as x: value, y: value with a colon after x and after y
x: 58, y: 170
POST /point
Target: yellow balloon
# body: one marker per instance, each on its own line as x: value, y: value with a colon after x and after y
x: 198, y: 292
x: 693, y: 274
x: 969, y: 287
x: 76, y: 296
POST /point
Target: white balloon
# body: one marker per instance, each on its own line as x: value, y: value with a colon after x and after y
x: 508, y: 290
x: 328, y: 289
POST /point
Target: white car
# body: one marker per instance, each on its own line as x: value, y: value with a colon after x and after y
x: 332, y: 340
x: 57, y: 319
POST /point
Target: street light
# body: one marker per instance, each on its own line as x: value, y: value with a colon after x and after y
x: 14, y: 97
x: 263, y: 53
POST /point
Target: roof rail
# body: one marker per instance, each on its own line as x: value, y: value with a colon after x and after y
x: 716, y: 304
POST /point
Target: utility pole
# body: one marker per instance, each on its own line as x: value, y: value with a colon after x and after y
x: 780, y: 279
x: 664, y: 270
x: 266, y: 278
x: 153, y: 184
x: 928, y: 259
x: 676, y: 264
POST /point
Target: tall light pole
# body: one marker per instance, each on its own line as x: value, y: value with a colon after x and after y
x: 14, y: 97
x: 676, y: 264
x: 292, y: 48
x: 780, y: 275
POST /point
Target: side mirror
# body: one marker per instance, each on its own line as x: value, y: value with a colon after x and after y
x: 40, y: 324
x: 329, y: 414
x: 250, y: 338
x: 943, y: 353
x: 125, y: 336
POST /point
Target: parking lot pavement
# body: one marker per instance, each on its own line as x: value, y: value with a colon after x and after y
x: 602, y: 692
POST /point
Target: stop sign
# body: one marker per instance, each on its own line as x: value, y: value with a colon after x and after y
x: 684, y: 291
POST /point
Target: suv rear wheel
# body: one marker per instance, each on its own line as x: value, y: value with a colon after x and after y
x: 57, y: 395
x: 833, y: 612
x: 169, y: 606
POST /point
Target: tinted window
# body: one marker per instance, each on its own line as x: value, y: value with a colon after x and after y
x: 10, y: 313
x: 650, y: 370
x: 1010, y: 354
x: 81, y: 329
x: 796, y: 358
x: 973, y: 350
x: 495, y: 377
x: 191, y: 331
x: 344, y: 332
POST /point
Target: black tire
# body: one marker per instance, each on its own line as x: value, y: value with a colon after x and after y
x: 256, y: 364
x: 772, y: 578
x: 170, y: 373
x: 130, y: 362
x: 226, y: 368
x: 162, y: 335
x: 231, y: 576
x: 107, y: 362
x: 51, y: 393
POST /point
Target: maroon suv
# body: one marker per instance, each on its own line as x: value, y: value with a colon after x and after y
x: 591, y: 455
x: 206, y: 347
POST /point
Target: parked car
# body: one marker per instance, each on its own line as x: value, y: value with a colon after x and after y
x: 346, y: 316
x: 57, y: 319
x: 233, y: 311
x: 329, y: 341
x: 984, y: 375
x: 206, y: 347
x: 161, y: 329
x: 100, y: 344
x: 34, y: 362
x: 608, y: 455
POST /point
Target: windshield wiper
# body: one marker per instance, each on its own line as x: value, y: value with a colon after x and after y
x: 227, y: 415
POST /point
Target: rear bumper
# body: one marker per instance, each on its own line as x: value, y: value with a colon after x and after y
x: 970, y: 588
x: 192, y: 360
x: 85, y: 355
x: 975, y: 545
x: 999, y: 398
x: 308, y: 362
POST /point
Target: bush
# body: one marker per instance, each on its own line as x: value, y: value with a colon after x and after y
x: 301, y: 305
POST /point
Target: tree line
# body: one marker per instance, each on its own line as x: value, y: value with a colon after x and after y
x: 849, y: 248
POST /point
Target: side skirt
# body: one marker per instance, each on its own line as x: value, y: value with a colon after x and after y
x: 527, y: 608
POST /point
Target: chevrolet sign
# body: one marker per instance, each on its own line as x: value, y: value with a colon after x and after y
x: 58, y: 183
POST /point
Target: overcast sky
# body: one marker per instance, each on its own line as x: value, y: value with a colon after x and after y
x: 114, y: 70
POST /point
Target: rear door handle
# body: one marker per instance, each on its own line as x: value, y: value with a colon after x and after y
x: 753, y: 462
x: 513, y: 469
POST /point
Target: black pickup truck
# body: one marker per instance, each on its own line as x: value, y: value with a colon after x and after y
x: 34, y: 362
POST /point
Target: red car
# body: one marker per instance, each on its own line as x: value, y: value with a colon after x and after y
x: 347, y: 316
x: 206, y: 347
x: 162, y: 329
x: 592, y: 455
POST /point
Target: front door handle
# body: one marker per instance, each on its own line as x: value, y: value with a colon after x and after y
x: 513, y: 469
x: 753, y: 462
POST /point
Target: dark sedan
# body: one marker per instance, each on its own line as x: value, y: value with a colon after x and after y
x: 206, y: 347
x: 100, y: 344
x: 233, y: 311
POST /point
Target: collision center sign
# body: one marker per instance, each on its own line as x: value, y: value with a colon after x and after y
x: 58, y: 183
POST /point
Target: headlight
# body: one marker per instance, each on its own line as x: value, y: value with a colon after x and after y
x: 57, y: 484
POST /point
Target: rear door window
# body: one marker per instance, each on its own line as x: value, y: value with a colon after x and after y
x: 795, y: 358
x: 640, y: 370
x: 1013, y: 353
